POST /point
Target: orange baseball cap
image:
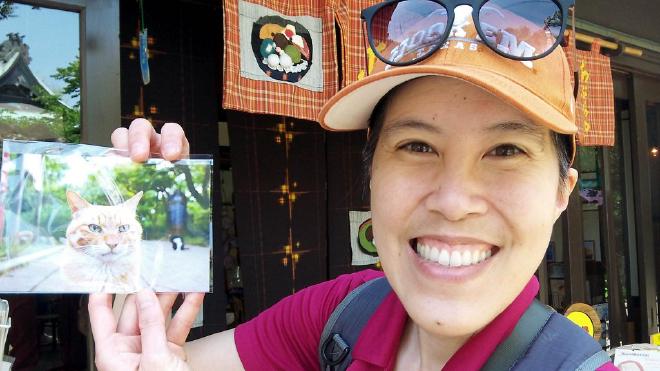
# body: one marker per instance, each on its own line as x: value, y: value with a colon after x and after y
x: 541, y: 88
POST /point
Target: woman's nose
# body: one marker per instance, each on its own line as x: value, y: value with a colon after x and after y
x: 456, y: 195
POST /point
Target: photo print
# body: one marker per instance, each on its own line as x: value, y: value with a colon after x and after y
x: 80, y: 218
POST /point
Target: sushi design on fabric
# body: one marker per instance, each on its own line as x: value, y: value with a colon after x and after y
x: 283, y: 48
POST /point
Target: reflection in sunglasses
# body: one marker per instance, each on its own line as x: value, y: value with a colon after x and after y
x: 414, y: 29
x: 419, y: 44
x: 506, y: 42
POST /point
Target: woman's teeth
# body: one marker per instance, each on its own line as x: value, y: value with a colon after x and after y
x: 455, y: 258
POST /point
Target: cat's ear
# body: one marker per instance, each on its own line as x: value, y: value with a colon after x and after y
x: 133, y: 201
x: 75, y: 201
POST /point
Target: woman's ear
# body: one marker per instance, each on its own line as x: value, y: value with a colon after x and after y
x: 565, y: 190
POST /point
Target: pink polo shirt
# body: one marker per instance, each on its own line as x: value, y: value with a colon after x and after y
x: 286, y: 336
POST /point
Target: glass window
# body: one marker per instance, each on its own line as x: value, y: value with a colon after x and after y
x: 623, y: 224
x: 39, y: 73
x: 40, y: 100
x: 653, y: 127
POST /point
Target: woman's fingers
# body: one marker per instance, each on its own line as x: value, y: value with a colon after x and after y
x: 142, y: 140
x: 179, y: 328
x: 119, y: 138
x: 128, y: 320
x: 174, y: 144
x: 101, y: 316
x: 129, y: 344
x: 166, y: 301
x: 152, y: 323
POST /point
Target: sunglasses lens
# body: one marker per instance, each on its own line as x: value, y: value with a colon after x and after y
x: 521, y: 28
x: 407, y: 31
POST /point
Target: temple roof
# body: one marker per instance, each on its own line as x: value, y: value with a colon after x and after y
x: 17, y: 82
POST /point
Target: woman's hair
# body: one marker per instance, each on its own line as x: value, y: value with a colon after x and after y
x: 562, y: 142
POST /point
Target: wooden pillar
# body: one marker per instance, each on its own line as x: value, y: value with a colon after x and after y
x: 574, y: 257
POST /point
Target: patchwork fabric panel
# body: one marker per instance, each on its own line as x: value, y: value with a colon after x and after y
x: 280, y: 57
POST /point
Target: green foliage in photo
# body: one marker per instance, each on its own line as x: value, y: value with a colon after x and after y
x: 44, y: 210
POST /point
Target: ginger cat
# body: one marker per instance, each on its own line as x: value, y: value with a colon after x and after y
x: 103, y: 252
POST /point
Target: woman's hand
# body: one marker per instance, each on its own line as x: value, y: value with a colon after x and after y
x: 140, y: 339
x: 141, y: 139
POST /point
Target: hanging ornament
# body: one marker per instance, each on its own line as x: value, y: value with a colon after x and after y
x: 144, y: 53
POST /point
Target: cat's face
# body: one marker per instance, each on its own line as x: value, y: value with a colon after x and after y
x: 107, y: 233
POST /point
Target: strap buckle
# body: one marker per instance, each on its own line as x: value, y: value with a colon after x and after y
x: 335, y: 349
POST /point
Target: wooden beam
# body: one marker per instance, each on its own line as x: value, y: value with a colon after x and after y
x: 607, y: 32
x: 635, y: 52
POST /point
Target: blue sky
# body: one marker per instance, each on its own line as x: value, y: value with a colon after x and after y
x: 53, y: 37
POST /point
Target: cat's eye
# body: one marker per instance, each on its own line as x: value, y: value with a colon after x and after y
x: 123, y: 228
x: 95, y: 228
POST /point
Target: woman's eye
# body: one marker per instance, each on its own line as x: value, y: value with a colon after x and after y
x: 95, y: 228
x: 418, y: 147
x: 505, y: 150
x: 123, y: 228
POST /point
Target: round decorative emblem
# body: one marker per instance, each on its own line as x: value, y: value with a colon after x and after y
x: 366, y: 238
x: 282, y: 48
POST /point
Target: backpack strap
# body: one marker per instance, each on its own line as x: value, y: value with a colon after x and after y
x: 515, y: 346
x: 542, y: 339
x: 346, y: 322
x: 546, y: 340
x: 562, y: 345
x: 596, y: 360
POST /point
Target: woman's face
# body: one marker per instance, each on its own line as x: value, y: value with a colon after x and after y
x: 464, y: 193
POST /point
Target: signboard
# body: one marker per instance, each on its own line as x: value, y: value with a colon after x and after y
x: 586, y: 317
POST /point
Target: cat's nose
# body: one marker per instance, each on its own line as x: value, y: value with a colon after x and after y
x: 111, y: 245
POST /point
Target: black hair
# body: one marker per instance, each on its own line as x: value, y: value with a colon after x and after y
x: 563, y: 142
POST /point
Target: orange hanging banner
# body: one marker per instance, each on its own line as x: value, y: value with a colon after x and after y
x: 594, y: 111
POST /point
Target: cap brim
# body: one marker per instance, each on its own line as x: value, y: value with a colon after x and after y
x: 351, y: 107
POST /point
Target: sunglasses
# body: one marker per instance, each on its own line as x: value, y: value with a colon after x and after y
x: 404, y: 32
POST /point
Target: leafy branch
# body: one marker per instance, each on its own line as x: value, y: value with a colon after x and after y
x: 67, y: 123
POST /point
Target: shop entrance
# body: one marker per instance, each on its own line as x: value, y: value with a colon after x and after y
x: 591, y: 257
x: 605, y: 249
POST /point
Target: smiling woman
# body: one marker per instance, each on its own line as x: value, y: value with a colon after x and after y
x: 468, y: 168
x: 475, y: 204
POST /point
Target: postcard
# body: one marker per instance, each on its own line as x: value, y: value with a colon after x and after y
x: 80, y: 219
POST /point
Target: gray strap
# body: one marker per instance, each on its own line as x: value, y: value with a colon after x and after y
x: 358, y: 316
x: 516, y: 345
x: 596, y: 360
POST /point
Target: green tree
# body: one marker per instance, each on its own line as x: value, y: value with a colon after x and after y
x: 158, y: 185
x: 6, y: 9
x: 66, y: 120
